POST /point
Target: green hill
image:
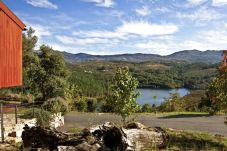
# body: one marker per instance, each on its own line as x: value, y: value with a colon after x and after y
x: 93, y: 76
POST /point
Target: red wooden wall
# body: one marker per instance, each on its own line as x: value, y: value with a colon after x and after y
x: 10, y: 48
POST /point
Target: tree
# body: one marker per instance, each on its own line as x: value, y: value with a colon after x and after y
x: 53, y: 79
x: 217, y: 92
x: 31, y: 63
x: 172, y: 104
x: 146, y: 108
x: 55, y: 105
x: 45, y: 73
x: 122, y: 96
x: 155, y: 103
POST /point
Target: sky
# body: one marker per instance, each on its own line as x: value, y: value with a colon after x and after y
x: 105, y: 27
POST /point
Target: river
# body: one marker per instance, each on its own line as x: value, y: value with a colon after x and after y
x: 157, y: 96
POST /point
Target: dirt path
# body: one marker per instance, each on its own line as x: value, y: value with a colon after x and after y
x: 211, y: 124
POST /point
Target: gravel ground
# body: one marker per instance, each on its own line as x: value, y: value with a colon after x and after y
x: 205, y: 123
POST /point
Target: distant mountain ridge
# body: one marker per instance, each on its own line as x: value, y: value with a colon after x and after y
x: 209, y: 56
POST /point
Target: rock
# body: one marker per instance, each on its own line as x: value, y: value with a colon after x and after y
x: 10, y: 144
x: 106, y: 137
x: 90, y: 139
x: 42, y: 149
x: 82, y: 147
x: 12, y: 134
x: 87, y: 147
x: 66, y: 148
x: 135, y: 125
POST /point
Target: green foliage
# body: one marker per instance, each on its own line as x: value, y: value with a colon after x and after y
x: 45, y: 72
x: 217, y: 92
x: 146, y: 108
x: 186, y: 140
x: 43, y: 118
x: 80, y: 105
x: 171, y: 104
x: 91, y: 104
x: 75, y: 130
x: 31, y: 63
x: 106, y: 107
x: 123, y: 97
x: 94, y: 77
x: 193, y: 102
x: 29, y: 41
x: 71, y: 93
x: 91, y: 84
x: 55, y: 105
x: 53, y: 79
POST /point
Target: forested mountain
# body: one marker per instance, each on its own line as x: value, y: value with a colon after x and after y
x: 93, y: 76
x: 209, y: 56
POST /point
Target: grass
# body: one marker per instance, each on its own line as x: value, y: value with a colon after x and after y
x: 186, y: 141
x: 175, y: 113
x: 152, y: 113
x: 198, y: 141
x: 21, y: 110
x: 74, y: 130
x: 192, y: 141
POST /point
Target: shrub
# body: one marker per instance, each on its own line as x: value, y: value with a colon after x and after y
x: 146, y: 108
x: 106, y: 108
x: 91, y: 104
x: 55, y: 105
x: 172, y: 104
x: 43, y: 118
x: 80, y: 105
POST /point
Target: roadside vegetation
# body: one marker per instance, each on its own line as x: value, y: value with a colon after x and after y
x: 188, y: 140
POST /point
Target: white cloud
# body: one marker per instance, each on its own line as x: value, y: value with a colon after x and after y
x: 163, y: 9
x: 68, y: 40
x: 191, y: 44
x: 203, y: 14
x: 152, y: 45
x: 100, y: 34
x: 147, y: 29
x: 168, y: 47
x: 215, y: 37
x: 219, y: 3
x: 69, y: 49
x: 144, y: 11
x: 102, y: 3
x: 205, y: 40
x: 40, y: 30
x: 131, y: 29
x: 42, y: 3
x: 196, y: 2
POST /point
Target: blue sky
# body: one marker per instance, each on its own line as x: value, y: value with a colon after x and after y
x: 126, y: 26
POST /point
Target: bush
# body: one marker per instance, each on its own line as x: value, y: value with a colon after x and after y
x: 146, y: 108
x: 106, y: 108
x: 43, y: 118
x: 172, y: 104
x: 91, y: 105
x: 55, y: 105
x: 80, y: 105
